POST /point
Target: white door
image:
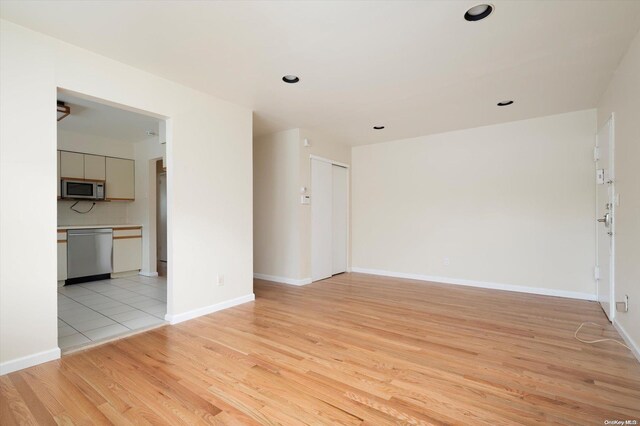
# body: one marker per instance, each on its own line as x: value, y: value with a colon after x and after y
x: 321, y: 220
x: 162, y: 217
x: 340, y: 184
x: 605, y: 207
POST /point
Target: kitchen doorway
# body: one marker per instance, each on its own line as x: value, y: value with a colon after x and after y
x: 115, y: 150
x: 161, y: 215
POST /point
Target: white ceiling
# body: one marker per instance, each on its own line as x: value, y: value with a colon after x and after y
x: 91, y: 118
x: 416, y: 67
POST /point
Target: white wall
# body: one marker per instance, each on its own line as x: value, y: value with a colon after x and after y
x: 623, y: 99
x: 282, y: 233
x: 103, y: 213
x: 113, y: 213
x: 80, y: 142
x: 276, y: 243
x: 28, y: 326
x: 210, y: 226
x: 509, y: 204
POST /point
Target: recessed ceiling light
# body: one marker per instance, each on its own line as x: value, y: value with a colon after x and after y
x: 505, y: 103
x: 478, y: 12
x: 290, y: 79
x: 378, y: 127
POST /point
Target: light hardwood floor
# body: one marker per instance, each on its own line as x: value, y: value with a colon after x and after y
x: 354, y: 349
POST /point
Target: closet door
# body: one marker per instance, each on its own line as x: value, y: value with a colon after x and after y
x: 321, y: 220
x: 340, y: 202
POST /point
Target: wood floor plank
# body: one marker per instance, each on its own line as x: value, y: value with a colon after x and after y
x: 353, y: 349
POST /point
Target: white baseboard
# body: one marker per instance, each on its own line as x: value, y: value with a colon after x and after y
x: 148, y: 274
x: 177, y: 318
x: 481, y: 284
x: 29, y: 361
x: 635, y: 349
x: 283, y: 280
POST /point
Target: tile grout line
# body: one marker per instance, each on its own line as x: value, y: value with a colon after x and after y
x: 69, y: 325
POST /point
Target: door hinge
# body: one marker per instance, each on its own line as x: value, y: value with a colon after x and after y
x: 596, y: 273
x: 596, y: 153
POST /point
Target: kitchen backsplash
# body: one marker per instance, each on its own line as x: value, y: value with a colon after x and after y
x: 107, y: 213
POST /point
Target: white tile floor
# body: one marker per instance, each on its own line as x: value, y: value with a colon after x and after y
x: 99, y: 310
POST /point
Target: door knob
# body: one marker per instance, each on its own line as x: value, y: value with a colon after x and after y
x: 606, y: 219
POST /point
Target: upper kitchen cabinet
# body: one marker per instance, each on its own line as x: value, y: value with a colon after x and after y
x: 71, y: 165
x: 117, y: 173
x: 120, y: 179
x: 94, y: 167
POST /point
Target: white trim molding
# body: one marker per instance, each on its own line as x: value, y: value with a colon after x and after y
x: 328, y: 160
x: 178, y: 318
x: 480, y: 284
x: 29, y: 361
x: 283, y: 280
x: 148, y: 274
x: 635, y: 350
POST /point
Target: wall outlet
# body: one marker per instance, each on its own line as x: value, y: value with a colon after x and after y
x: 446, y: 261
x: 220, y: 280
x: 626, y: 303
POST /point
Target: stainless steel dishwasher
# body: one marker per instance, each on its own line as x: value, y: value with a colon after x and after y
x: 88, y: 254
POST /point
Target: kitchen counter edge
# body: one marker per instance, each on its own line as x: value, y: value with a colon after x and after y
x: 127, y: 225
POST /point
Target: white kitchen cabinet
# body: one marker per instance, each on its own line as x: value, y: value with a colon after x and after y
x: 62, y: 255
x: 94, y: 167
x: 71, y: 165
x: 127, y: 249
x: 120, y: 179
x: 118, y: 173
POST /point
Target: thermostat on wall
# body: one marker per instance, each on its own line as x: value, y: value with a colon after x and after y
x: 305, y: 199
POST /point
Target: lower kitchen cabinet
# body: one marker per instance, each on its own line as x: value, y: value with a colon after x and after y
x: 127, y: 249
x: 62, y: 260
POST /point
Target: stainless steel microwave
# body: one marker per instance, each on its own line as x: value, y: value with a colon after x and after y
x: 81, y: 189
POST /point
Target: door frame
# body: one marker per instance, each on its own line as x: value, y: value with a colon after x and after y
x: 613, y: 201
x: 167, y: 122
x: 158, y: 175
x: 348, y: 167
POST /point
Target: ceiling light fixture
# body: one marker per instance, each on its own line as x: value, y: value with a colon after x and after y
x: 478, y: 12
x: 505, y: 103
x: 378, y: 127
x: 63, y: 110
x: 290, y: 79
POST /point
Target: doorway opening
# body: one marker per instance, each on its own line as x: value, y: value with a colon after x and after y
x: 161, y: 215
x: 108, y: 281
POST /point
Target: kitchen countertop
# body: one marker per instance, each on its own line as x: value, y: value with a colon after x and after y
x: 125, y: 225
